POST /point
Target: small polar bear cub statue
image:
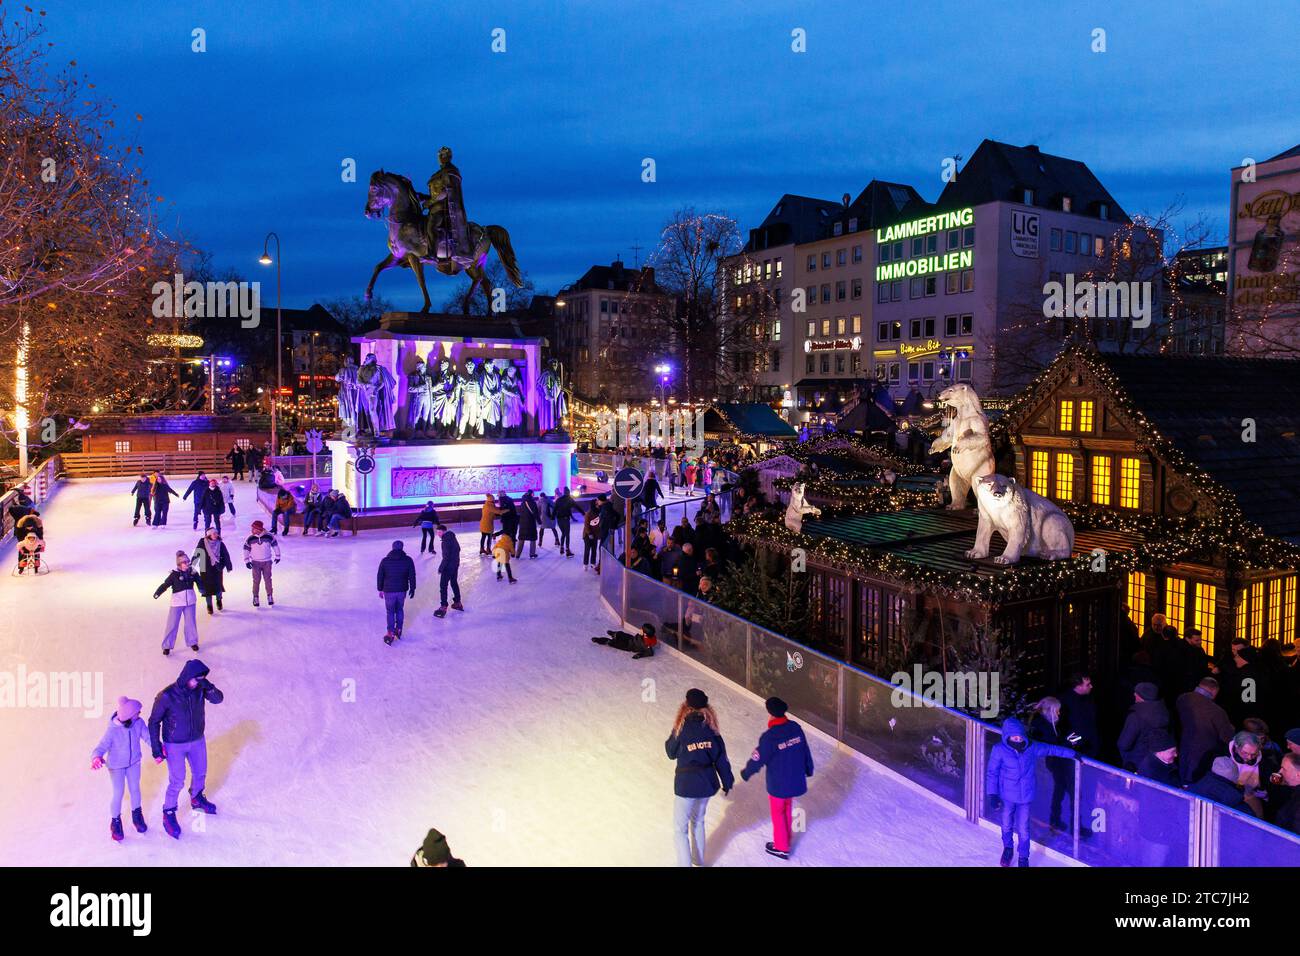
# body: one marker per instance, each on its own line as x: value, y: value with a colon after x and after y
x: 1029, y: 523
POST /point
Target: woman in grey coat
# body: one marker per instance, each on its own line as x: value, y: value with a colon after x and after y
x: 119, y: 749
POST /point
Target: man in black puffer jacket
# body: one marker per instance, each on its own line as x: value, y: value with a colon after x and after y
x: 395, y: 578
x: 176, y: 727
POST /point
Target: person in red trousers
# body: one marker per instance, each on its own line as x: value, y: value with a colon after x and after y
x: 783, y: 750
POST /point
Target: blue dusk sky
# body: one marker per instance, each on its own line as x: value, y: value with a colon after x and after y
x: 550, y: 135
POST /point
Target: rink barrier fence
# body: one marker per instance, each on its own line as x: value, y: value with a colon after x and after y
x: 42, y: 480
x: 1119, y: 818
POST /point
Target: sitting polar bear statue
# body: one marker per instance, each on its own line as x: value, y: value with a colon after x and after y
x: 967, y: 435
x: 797, y: 508
x: 1029, y: 523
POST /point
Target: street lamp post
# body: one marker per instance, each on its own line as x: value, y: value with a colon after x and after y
x: 266, y: 260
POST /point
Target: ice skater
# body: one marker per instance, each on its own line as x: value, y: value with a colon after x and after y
x: 184, y: 604
x: 434, y: 852
x: 702, y: 766
x: 783, y: 749
x: 261, y: 550
x: 210, y: 560
x: 228, y: 493
x: 120, y: 750
x: 162, y: 493
x: 1010, y: 781
x: 427, y: 522
x: 448, y: 572
x: 640, y: 645
x: 502, y: 551
x: 198, y: 488
x: 176, y: 726
x: 30, y: 548
x: 395, y: 579
x: 142, y: 490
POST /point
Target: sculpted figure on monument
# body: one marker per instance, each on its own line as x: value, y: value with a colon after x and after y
x: 491, y: 399
x: 552, y: 407
x: 470, y: 422
x: 419, y: 399
x: 376, y: 397
x: 446, y: 399
x: 512, y: 400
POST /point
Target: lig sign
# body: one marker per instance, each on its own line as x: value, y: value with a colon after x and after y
x: 925, y: 265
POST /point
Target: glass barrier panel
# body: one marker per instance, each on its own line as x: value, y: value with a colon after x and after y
x: 927, y: 745
x: 714, y: 638
x: 1127, y: 821
x: 1245, y: 841
x: 806, y: 681
x: 611, y: 587
x: 650, y: 601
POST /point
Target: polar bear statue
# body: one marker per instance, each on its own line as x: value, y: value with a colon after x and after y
x: 967, y: 435
x: 797, y: 508
x: 1029, y: 523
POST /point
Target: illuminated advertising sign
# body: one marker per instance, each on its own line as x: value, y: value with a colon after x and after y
x: 823, y: 345
x: 928, y: 264
x: 1266, y: 240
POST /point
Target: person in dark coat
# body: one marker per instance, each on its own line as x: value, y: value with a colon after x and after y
x: 1196, y: 663
x: 448, y: 572
x: 395, y: 579
x: 237, y: 461
x: 176, y: 727
x: 210, y: 560
x: 196, y: 488
x: 1147, y: 716
x: 1158, y: 830
x: 1079, y: 709
x: 142, y: 492
x: 609, y: 518
x: 783, y: 749
x: 1045, y: 726
x: 650, y: 497
x: 435, y: 852
x: 213, y: 505
x: 163, y: 493
x: 1205, y: 726
x: 427, y: 522
x: 641, y: 645
x: 1220, y: 785
x: 564, y: 507
x: 181, y: 583
x: 702, y: 765
x: 509, y: 516
x: 530, y: 520
x: 1287, y: 816
x: 254, y: 456
x: 1161, y: 765
x: 1010, y: 783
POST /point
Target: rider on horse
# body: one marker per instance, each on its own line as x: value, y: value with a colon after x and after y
x: 448, y: 232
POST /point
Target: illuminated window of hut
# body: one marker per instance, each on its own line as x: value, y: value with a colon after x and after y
x: 1101, y: 480
x: 1205, y: 598
x: 1288, y: 610
x: 1176, y: 602
x: 1130, y: 471
x: 1038, y: 472
x: 1275, y: 608
x: 1064, y: 476
x: 1065, y: 419
x: 1257, y: 613
x: 1085, y: 416
x: 1137, y: 598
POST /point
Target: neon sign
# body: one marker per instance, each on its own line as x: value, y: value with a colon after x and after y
x: 926, y: 225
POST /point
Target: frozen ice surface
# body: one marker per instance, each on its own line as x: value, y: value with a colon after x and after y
x: 503, y: 726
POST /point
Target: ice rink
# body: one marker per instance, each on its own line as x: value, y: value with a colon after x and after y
x: 503, y: 726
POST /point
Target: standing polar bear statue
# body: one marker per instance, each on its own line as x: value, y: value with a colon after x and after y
x: 797, y: 508
x: 967, y: 435
x: 1030, y: 524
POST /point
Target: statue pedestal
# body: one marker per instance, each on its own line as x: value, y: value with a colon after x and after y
x: 406, y: 476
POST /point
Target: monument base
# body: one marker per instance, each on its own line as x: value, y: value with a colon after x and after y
x: 408, y: 475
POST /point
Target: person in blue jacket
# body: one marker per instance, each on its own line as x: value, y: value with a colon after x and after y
x: 1010, y: 783
x: 783, y: 750
x: 197, y: 488
x: 702, y: 763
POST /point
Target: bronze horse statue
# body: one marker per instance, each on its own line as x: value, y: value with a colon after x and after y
x: 412, y: 244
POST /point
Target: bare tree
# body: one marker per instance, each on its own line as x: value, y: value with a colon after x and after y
x: 516, y: 297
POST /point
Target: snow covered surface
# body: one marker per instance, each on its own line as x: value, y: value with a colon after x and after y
x: 503, y: 726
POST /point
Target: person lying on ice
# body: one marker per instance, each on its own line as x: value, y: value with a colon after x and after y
x: 1010, y: 783
x: 641, y: 645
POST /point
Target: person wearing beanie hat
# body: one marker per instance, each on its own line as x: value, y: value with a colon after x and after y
x: 261, y: 551
x: 120, y: 750
x: 434, y: 851
x: 1147, y: 715
x: 1292, y: 738
x: 702, y: 764
x: 177, y: 725
x: 1220, y: 785
x: 1161, y: 765
x: 783, y: 749
x: 641, y: 645
x: 395, y: 579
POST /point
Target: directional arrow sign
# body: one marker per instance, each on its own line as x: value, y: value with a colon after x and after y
x: 628, y: 483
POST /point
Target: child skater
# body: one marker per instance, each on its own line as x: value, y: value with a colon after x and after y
x: 119, y: 748
x: 501, y: 553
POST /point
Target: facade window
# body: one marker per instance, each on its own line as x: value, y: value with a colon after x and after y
x: 1203, y: 600
x: 810, y: 365
x: 916, y: 288
x: 1064, y: 476
x: 826, y: 363
x: 812, y: 328
x: 1055, y: 241
x: 826, y: 292
x: 856, y: 363
x: 857, y: 250
x: 122, y: 447
x: 1065, y: 416
x: 839, y: 363
x: 841, y: 291
x: 964, y: 367
x: 826, y: 260
x: 1071, y: 241
x: 1027, y: 197
x: 1098, y: 246
x: 776, y: 331
x: 840, y: 326
x: 954, y: 239
x: 812, y: 263
x: 857, y: 324
x: 896, y: 291
x: 952, y: 283
x: 1103, y: 211
x: 968, y: 236
x: 1085, y: 415
x: 1101, y: 480
x: 968, y: 280
x: 838, y: 228
x: 882, y: 293
x: 853, y: 224
x: 882, y: 253
x: 1137, y: 598
x: 1176, y: 602
x: 931, y: 286
x: 841, y: 256
x: 1038, y: 472
x: 855, y: 290
x: 826, y: 326
x: 776, y: 360
x: 604, y: 305
x: 1130, y: 471
x: 918, y: 246
x: 1067, y: 204
x: 1085, y: 243
x: 184, y: 444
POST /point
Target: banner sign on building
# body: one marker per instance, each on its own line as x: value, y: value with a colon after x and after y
x: 1024, y: 233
